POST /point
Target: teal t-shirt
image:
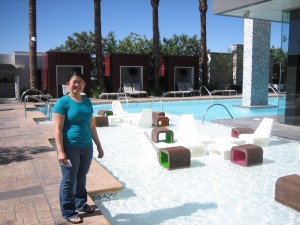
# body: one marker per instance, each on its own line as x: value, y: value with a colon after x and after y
x: 76, y: 131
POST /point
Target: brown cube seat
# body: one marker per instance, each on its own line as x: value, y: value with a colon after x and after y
x: 175, y: 157
x: 246, y: 155
x: 162, y: 134
x: 287, y: 191
x: 100, y: 121
x: 235, y: 132
x: 161, y: 121
x: 105, y: 113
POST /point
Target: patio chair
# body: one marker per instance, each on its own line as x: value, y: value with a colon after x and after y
x: 128, y: 90
x: 118, y: 112
x: 136, y: 87
x: 181, y: 87
x: 143, y: 119
x: 189, y: 87
x: 261, y: 135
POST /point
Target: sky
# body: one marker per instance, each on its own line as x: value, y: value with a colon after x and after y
x: 58, y: 19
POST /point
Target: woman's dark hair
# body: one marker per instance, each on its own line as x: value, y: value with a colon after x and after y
x: 75, y: 73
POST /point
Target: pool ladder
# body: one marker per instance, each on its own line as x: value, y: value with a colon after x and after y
x: 161, y: 103
x: 39, y: 97
x: 213, y: 106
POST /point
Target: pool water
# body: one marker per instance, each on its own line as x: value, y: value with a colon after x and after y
x: 198, y: 108
x: 211, y: 192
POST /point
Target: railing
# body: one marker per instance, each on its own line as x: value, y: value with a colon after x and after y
x: 213, y: 106
x: 121, y: 93
x: 274, y: 90
x: 161, y: 103
x: 200, y: 91
x: 40, y: 97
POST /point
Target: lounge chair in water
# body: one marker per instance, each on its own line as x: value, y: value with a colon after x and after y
x: 188, y: 137
x: 143, y: 119
x: 261, y: 135
x: 118, y: 112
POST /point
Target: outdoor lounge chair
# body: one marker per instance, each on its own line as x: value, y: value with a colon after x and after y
x: 128, y: 90
x: 261, y: 135
x: 136, y: 87
x: 189, y: 87
x: 143, y: 119
x: 181, y: 87
x: 118, y: 112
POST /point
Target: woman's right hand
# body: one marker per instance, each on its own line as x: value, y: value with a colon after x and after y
x: 61, y: 156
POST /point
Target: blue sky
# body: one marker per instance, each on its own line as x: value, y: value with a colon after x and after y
x: 58, y: 19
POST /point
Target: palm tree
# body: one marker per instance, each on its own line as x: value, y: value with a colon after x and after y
x: 203, y: 49
x: 98, y: 44
x: 32, y: 46
x: 154, y: 4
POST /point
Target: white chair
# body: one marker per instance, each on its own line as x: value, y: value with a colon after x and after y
x: 136, y: 87
x: 188, y: 137
x: 118, y: 112
x: 143, y: 119
x: 128, y: 90
x: 261, y: 135
x: 181, y: 87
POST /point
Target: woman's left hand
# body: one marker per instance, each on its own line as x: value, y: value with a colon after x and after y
x: 100, y: 152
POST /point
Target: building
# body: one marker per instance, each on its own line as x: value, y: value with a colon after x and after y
x: 261, y: 12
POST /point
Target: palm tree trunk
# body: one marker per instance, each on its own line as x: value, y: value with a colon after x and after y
x: 98, y: 44
x: 203, y: 48
x: 155, y: 4
x: 32, y: 46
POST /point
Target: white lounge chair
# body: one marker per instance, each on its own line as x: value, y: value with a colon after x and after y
x: 261, y: 135
x: 143, y: 119
x: 136, y: 87
x: 118, y: 112
x: 181, y: 87
x: 128, y: 90
x: 189, y: 87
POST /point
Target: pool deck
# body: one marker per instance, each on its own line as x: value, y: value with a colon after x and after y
x: 30, y: 174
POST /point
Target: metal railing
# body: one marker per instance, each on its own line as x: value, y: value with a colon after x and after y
x: 161, y: 103
x: 200, y: 91
x: 40, y: 97
x: 121, y: 93
x: 213, y: 106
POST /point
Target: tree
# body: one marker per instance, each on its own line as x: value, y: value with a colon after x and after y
x: 279, y: 63
x: 32, y: 46
x: 134, y: 44
x: 98, y: 44
x: 181, y: 45
x: 203, y: 49
x: 155, y: 28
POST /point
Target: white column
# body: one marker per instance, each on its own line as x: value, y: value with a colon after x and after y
x: 256, y: 62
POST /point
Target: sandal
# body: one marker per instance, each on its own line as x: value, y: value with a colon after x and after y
x: 88, y: 209
x: 75, y: 220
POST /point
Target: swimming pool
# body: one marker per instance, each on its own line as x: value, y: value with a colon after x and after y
x: 211, y: 192
x: 198, y: 108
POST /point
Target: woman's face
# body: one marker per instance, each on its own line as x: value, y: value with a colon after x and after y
x: 76, y: 84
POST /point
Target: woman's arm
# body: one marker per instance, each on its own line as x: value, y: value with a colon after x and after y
x: 95, y: 138
x: 58, y: 134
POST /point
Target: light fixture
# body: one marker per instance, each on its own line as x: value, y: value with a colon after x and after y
x: 32, y: 38
x: 246, y: 14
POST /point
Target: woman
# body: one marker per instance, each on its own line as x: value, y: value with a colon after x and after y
x: 74, y: 132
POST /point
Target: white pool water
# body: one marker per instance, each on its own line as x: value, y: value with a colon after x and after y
x: 212, y: 191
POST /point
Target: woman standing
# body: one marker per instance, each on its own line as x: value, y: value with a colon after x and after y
x: 74, y: 132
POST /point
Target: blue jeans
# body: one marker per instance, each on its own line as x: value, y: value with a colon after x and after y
x: 72, y: 193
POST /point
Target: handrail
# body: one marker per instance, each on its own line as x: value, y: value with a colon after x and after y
x: 121, y: 91
x: 200, y: 89
x: 32, y: 89
x: 273, y: 89
x: 215, y: 105
x: 48, y: 101
x: 161, y: 103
